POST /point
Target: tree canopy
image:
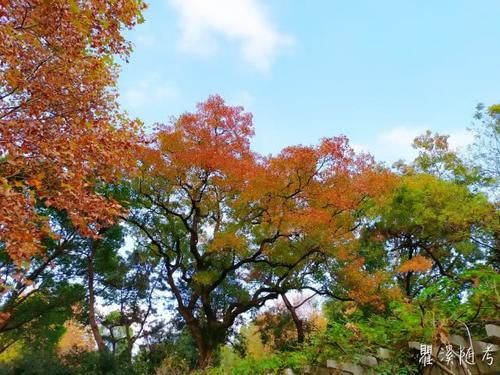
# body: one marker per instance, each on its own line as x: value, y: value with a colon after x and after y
x: 180, y: 249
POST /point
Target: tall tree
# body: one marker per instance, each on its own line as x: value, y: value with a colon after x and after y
x: 61, y: 133
x: 234, y: 228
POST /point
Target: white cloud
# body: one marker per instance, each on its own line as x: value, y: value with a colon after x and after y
x: 243, y: 21
x: 148, y: 91
x: 460, y: 139
x: 400, y: 136
x: 404, y: 136
x: 396, y: 143
x: 360, y: 148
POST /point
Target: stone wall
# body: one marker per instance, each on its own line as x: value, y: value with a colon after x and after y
x: 367, y: 365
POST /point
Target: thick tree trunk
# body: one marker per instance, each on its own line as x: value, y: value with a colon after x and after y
x: 205, y: 357
x: 299, y: 324
x: 92, y: 314
x: 205, y: 352
x: 207, y: 341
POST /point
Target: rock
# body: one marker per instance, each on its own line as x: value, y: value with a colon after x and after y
x: 384, y: 353
x: 368, y: 360
x: 347, y: 367
x: 493, y: 332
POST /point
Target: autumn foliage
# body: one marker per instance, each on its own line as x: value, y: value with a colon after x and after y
x: 218, y: 232
x: 61, y: 134
x: 232, y: 215
x: 416, y: 264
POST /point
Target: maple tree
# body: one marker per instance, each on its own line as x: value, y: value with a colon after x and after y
x: 235, y: 229
x: 61, y: 133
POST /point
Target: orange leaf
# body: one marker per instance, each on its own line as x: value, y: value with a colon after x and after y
x: 416, y: 264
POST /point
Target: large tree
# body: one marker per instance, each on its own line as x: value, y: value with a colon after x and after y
x: 61, y: 133
x: 234, y: 229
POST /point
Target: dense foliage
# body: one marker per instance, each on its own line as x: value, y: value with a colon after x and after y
x: 185, y: 251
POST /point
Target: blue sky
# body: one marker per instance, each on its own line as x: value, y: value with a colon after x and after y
x: 380, y: 72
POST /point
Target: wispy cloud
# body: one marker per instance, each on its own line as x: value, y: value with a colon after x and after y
x: 397, y: 142
x: 460, y: 139
x: 404, y: 136
x: 401, y: 136
x: 149, y: 91
x: 146, y: 40
x: 203, y: 22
